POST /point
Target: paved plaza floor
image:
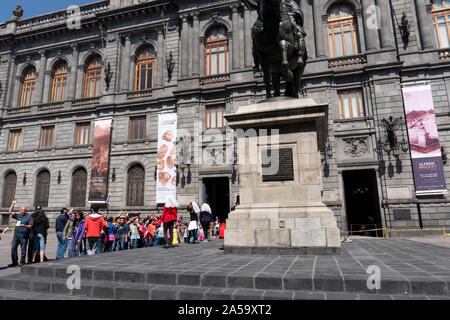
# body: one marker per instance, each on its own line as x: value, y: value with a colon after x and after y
x: 407, y: 269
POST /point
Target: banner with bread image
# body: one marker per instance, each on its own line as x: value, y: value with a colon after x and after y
x: 166, y: 178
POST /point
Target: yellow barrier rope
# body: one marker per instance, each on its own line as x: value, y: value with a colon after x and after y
x: 444, y: 233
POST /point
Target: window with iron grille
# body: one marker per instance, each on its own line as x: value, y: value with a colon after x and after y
x: 351, y: 104
x: 214, y: 117
x: 42, y: 189
x: 79, y: 185
x: 136, y: 183
x: 47, y: 136
x: 9, y: 189
x: 137, y: 128
x: 14, y: 139
x: 82, y: 133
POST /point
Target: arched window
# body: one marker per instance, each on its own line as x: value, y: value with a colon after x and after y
x: 441, y: 18
x: 9, y: 189
x: 342, y: 29
x: 92, y: 79
x: 136, y: 182
x: 145, y: 69
x: 79, y: 183
x: 59, y: 83
x: 216, y: 51
x: 42, y: 189
x: 28, y: 85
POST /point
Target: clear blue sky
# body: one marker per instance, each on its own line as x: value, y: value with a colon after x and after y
x: 36, y: 7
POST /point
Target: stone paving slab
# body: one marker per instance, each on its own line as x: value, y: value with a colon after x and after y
x: 408, y: 270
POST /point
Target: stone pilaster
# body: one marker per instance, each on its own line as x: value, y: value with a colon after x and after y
x: 73, y: 72
x: 38, y: 98
x: 12, y: 81
x: 202, y: 56
x: 425, y: 25
x: 160, y: 60
x: 184, y: 63
x: 248, y: 52
x: 196, y: 46
x: 235, y: 37
x: 125, y: 79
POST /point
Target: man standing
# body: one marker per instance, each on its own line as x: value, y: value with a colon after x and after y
x: 93, y: 228
x: 60, y: 225
x: 21, y: 233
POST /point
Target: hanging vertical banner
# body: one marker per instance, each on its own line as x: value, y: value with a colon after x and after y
x: 166, y: 179
x: 424, y: 144
x: 100, y: 161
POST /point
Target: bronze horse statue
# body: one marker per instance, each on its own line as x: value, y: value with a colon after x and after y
x: 278, y: 44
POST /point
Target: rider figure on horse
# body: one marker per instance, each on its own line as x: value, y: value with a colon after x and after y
x: 295, y: 14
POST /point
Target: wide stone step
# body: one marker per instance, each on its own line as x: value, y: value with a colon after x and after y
x: 109, y: 278
x: 23, y: 287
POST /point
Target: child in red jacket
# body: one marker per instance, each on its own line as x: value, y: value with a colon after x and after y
x: 93, y: 230
x: 169, y: 217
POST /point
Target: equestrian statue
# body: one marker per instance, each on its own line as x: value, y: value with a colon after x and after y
x: 279, y: 48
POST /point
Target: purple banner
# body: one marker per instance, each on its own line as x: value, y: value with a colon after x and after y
x: 424, y: 144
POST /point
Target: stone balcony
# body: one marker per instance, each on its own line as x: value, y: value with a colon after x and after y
x: 213, y: 79
x: 347, y: 61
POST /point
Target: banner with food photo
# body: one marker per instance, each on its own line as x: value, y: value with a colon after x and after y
x: 166, y: 177
x: 100, y: 161
x: 424, y: 143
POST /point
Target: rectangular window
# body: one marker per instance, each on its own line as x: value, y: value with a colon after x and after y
x: 47, y: 136
x: 350, y: 104
x: 137, y: 128
x: 214, y: 117
x: 14, y: 139
x: 82, y: 133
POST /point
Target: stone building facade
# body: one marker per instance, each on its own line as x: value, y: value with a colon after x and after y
x: 53, y: 73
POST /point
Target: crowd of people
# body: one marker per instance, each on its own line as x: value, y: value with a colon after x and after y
x: 79, y: 234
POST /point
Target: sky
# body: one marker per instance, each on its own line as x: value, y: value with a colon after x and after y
x: 36, y: 7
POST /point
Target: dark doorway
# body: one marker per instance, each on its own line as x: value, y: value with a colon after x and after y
x: 217, y: 195
x: 361, y: 201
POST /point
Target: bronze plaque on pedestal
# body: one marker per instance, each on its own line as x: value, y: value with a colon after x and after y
x: 284, y: 162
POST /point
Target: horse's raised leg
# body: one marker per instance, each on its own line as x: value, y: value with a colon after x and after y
x: 284, y: 61
x: 276, y: 77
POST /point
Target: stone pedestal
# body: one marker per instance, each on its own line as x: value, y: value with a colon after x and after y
x: 281, y: 210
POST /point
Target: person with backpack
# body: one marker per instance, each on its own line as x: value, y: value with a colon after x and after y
x: 94, y: 226
x: 40, y: 227
x: 80, y: 248
x: 206, y: 218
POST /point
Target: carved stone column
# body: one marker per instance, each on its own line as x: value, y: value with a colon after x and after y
x: 370, y: 31
x: 125, y: 79
x: 425, y: 24
x: 196, y: 44
x: 184, y: 63
x: 248, y: 52
x: 38, y: 98
x: 73, y: 72
x: 386, y: 28
x: 80, y: 75
x: 235, y: 37
x: 318, y: 29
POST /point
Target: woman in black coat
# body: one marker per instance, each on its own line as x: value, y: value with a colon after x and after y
x: 40, y: 228
x: 205, y: 219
